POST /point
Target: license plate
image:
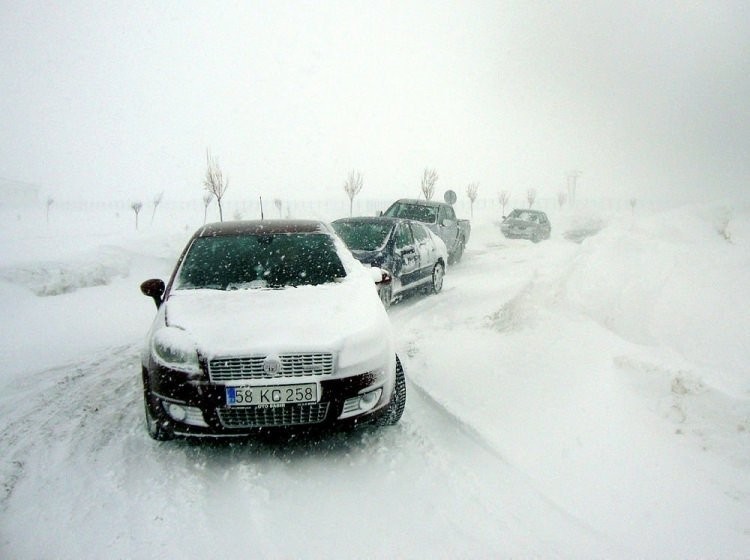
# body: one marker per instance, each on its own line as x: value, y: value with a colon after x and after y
x: 277, y: 394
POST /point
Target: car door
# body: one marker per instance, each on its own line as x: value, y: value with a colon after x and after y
x: 448, y: 227
x: 406, y: 256
x: 426, y: 250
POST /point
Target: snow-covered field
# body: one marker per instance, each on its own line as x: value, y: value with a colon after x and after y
x: 565, y: 400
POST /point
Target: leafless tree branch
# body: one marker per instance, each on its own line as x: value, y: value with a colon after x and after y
x: 429, y: 178
x: 352, y: 187
x: 471, y: 191
x: 214, y: 182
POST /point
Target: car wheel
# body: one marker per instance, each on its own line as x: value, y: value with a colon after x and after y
x: 438, y: 272
x: 385, y: 294
x: 535, y: 238
x: 158, y: 427
x: 398, y: 399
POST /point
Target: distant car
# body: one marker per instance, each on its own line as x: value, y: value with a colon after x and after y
x: 526, y: 224
x: 267, y: 324
x: 413, y: 255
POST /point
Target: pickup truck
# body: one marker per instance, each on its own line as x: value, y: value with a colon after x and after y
x: 440, y: 218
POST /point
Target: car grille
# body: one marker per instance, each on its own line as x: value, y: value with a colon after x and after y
x: 290, y: 415
x: 251, y: 367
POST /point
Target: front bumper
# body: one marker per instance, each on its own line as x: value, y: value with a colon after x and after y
x: 209, y: 415
x: 517, y: 234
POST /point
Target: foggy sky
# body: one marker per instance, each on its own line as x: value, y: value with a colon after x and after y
x: 121, y: 100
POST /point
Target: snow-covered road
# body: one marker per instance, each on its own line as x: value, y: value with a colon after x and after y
x: 534, y: 427
x: 81, y: 479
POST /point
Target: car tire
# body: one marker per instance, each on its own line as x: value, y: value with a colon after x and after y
x: 398, y: 399
x: 438, y: 273
x: 386, y: 294
x: 157, y: 425
x: 535, y: 238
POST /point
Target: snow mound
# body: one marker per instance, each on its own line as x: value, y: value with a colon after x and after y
x: 582, y: 226
x: 641, y: 280
x: 52, y: 278
x: 679, y: 393
x: 519, y: 312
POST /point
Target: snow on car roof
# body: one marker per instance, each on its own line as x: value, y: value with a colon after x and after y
x: 262, y: 226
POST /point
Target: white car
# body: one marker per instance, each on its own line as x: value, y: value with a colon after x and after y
x: 268, y: 324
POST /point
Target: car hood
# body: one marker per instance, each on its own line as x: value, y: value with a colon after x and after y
x: 308, y: 318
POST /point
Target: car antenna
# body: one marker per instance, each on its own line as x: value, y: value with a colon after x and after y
x: 261, y: 206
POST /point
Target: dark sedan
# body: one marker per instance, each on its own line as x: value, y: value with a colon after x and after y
x: 526, y: 224
x: 414, y: 256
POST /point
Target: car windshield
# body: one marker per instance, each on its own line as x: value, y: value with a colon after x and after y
x: 259, y: 261
x: 363, y: 236
x: 416, y: 212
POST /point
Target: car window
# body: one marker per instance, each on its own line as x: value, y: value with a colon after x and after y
x: 420, y: 235
x: 522, y: 215
x: 417, y: 212
x: 363, y: 236
x: 403, y: 237
x: 259, y: 261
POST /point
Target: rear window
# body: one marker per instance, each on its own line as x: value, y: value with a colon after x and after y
x: 259, y: 261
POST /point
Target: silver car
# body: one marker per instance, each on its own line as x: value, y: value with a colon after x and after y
x: 526, y: 224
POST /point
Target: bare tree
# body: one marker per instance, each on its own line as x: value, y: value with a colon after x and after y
x: 50, y: 201
x: 214, y: 182
x: 352, y: 186
x: 277, y: 203
x: 503, y: 197
x: 157, y: 200
x: 136, y: 206
x: 471, y: 191
x: 531, y: 196
x: 429, y: 178
x: 561, y: 198
x: 207, y: 198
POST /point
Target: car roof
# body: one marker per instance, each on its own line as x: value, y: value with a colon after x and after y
x: 528, y: 210
x: 256, y: 227
x: 418, y: 202
x: 369, y: 220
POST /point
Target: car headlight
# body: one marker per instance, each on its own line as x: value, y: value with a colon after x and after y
x: 175, y: 349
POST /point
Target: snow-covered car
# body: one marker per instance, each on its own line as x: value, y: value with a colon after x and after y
x: 415, y: 257
x: 268, y: 324
x: 526, y: 224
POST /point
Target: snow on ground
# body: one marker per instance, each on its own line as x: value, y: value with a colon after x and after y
x: 584, y: 397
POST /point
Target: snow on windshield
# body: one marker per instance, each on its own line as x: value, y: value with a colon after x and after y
x: 259, y: 261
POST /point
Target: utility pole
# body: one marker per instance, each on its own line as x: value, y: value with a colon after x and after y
x: 572, y: 184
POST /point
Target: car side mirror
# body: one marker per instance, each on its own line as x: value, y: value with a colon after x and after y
x: 380, y: 276
x: 154, y: 288
x: 379, y: 213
